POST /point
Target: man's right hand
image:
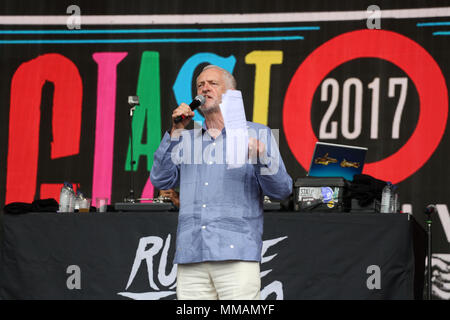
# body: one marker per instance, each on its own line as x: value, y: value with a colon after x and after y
x: 183, y: 109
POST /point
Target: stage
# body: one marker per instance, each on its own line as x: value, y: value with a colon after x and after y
x: 128, y: 255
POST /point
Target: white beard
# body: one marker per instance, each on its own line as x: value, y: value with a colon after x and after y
x: 212, y: 109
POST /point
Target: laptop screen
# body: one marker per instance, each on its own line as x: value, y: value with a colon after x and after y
x: 337, y: 160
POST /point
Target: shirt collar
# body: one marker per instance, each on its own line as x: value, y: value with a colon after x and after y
x: 204, y: 128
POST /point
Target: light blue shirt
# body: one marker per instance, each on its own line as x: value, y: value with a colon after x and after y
x: 221, y: 208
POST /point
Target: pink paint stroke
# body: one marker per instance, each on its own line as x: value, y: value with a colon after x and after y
x: 104, y: 125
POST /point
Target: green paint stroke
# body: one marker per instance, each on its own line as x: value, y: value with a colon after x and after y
x: 149, y: 109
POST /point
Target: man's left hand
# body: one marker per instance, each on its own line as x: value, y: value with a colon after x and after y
x: 255, y: 148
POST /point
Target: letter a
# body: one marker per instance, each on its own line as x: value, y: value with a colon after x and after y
x: 374, y: 281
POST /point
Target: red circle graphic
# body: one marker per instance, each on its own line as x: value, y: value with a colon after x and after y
x: 395, y: 48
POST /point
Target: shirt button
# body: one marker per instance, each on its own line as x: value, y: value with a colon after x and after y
x: 231, y: 246
x: 204, y: 206
x: 206, y: 183
x: 203, y: 227
x: 214, y: 143
x: 210, y: 162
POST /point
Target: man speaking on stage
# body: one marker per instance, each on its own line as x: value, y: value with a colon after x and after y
x: 220, y: 224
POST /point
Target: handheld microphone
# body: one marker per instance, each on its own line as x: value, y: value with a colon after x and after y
x: 197, y: 102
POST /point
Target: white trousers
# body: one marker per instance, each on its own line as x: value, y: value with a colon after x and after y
x: 219, y: 280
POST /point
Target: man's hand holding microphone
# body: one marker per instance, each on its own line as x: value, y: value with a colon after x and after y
x: 183, y: 114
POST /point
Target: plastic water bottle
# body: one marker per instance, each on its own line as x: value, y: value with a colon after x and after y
x: 66, y: 198
x: 72, y: 200
x: 79, y: 197
x: 386, y: 198
x: 395, y: 205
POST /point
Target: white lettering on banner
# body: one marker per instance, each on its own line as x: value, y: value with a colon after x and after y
x: 333, y: 133
x: 357, y: 85
x: 275, y: 287
x: 148, y: 255
x: 150, y: 247
x: 357, y: 117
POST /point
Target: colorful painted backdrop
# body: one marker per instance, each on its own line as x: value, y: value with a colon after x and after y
x: 357, y: 73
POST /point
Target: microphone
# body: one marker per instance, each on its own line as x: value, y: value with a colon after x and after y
x: 133, y: 101
x: 197, y: 102
x: 431, y: 208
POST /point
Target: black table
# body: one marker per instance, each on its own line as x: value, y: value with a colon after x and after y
x: 128, y: 255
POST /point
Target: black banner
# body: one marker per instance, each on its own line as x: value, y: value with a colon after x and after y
x: 129, y: 255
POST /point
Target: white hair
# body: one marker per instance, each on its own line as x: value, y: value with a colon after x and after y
x: 229, y: 79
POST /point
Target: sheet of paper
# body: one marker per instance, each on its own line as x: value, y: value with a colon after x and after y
x: 232, y: 108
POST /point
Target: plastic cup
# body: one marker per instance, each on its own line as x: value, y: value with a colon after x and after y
x: 102, y: 204
x: 85, y: 205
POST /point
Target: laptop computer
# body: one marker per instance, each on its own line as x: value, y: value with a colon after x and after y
x: 337, y: 160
